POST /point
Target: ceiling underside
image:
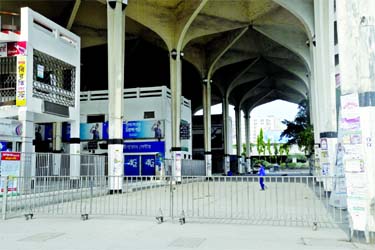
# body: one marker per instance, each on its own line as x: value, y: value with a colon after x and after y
x: 253, y: 50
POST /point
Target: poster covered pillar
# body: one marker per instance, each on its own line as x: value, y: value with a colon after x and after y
x: 324, y: 70
x: 356, y: 29
x: 207, y: 124
x: 116, y: 55
x: 175, y: 77
x: 75, y: 151
x: 28, y: 166
x: 247, y: 138
x: 238, y: 139
x: 225, y: 108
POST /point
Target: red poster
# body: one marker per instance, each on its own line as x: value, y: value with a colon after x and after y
x: 16, y: 48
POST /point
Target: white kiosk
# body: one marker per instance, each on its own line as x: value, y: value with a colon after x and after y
x: 40, y: 83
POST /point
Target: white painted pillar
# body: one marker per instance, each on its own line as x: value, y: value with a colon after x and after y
x: 207, y: 124
x: 226, y: 133
x: 175, y: 78
x: 324, y: 67
x: 27, y: 148
x: 247, y: 138
x: 356, y: 32
x: 75, y: 151
x: 238, y: 139
x: 116, y: 56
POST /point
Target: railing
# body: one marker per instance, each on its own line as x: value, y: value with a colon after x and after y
x: 299, y: 201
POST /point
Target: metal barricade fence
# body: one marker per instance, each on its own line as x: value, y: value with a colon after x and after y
x: 55, y: 164
x: 287, y: 200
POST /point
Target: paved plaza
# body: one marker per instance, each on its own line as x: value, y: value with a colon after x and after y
x: 114, y: 233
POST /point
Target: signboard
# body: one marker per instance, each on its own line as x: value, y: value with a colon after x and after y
x: 144, y: 147
x: 184, y: 130
x: 142, y: 129
x: 91, y: 131
x: 13, y: 49
x: 10, y: 167
x: 21, y: 81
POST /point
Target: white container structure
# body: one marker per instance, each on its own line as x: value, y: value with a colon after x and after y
x: 147, y: 127
x: 40, y: 81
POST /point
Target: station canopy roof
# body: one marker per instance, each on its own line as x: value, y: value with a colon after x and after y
x: 255, y: 51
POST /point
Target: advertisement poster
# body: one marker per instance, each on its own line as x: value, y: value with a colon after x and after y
x: 356, y: 180
x: 21, y: 81
x: 91, y: 131
x: 143, y: 129
x: 13, y: 49
x: 10, y: 167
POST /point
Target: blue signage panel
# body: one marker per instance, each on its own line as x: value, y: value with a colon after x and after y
x: 131, y: 165
x: 144, y: 147
x: 148, y: 164
x: 143, y: 129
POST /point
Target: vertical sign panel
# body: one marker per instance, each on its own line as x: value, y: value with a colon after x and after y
x: 21, y: 81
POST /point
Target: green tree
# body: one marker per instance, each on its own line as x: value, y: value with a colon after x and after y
x: 269, y: 149
x: 260, y: 143
x: 300, y: 131
x: 275, y: 150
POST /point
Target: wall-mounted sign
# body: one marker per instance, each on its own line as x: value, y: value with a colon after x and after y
x: 10, y: 167
x: 91, y: 131
x: 142, y: 129
x: 21, y: 81
x: 13, y: 49
x: 144, y: 147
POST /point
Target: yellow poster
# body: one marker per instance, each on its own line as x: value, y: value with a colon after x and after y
x: 21, y: 81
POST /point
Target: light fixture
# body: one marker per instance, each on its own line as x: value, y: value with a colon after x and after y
x: 174, y: 54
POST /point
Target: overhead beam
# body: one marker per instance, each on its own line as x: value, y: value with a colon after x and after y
x: 72, y: 17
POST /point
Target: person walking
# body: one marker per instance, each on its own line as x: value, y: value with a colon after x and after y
x: 261, y: 174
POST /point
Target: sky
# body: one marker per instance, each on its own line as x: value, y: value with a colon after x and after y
x: 278, y: 108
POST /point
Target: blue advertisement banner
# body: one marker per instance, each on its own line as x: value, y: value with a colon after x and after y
x: 144, y: 147
x: 131, y: 165
x: 146, y: 129
x: 143, y: 129
x: 91, y: 131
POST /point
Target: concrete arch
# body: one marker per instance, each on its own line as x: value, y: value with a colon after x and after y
x: 303, y: 10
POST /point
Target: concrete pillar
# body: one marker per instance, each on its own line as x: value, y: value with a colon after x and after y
x: 238, y: 139
x: 226, y: 166
x: 356, y: 32
x: 27, y: 148
x: 175, y: 78
x: 324, y: 67
x: 116, y: 55
x: 247, y: 138
x: 207, y: 124
x: 75, y: 151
